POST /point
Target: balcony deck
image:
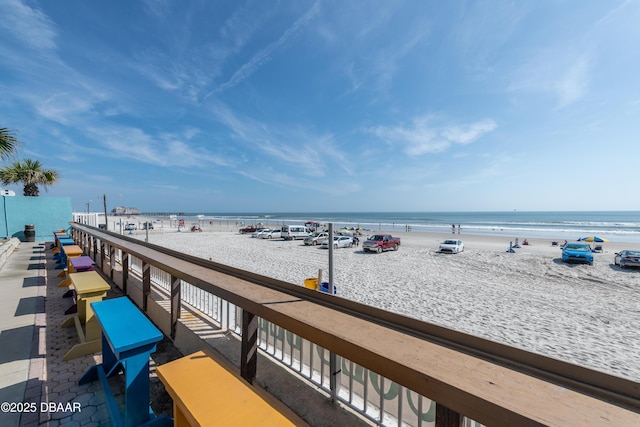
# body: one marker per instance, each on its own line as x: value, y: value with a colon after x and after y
x: 497, y: 385
x: 43, y: 389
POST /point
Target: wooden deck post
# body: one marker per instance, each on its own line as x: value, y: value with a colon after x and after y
x: 125, y: 271
x: 175, y: 304
x: 112, y: 260
x: 249, y: 356
x: 445, y: 417
x: 95, y: 248
x: 146, y: 284
x: 102, y: 256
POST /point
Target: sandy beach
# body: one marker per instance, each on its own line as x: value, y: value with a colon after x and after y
x: 587, y: 315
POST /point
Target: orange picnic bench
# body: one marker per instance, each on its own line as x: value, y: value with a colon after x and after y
x: 207, y: 392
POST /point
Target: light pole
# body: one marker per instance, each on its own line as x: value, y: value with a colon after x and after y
x: 88, y: 203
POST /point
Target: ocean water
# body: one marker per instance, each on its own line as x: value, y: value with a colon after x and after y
x: 619, y: 226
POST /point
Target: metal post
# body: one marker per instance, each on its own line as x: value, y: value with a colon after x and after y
x: 333, y: 358
x: 330, y: 290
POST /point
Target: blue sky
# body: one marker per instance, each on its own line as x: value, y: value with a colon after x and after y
x: 299, y: 106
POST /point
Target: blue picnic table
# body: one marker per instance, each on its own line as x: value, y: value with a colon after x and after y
x: 128, y: 339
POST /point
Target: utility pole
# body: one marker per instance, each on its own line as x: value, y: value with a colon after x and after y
x: 106, y: 219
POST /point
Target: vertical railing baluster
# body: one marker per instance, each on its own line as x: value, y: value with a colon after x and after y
x: 381, y: 400
x: 351, y: 374
x: 400, y: 396
x: 366, y: 389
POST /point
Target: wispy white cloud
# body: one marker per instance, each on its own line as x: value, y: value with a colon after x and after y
x: 264, y: 55
x: 563, y: 75
x: 480, y: 33
x: 371, y: 63
x: 337, y: 187
x: 424, y: 136
x: 64, y: 108
x: 609, y: 15
x: 573, y: 83
x: 28, y: 25
x: 157, y: 8
x: 167, y: 150
x: 295, y: 146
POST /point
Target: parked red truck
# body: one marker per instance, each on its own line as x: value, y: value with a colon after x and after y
x: 381, y: 242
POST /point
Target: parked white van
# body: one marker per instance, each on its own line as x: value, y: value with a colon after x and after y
x: 293, y: 232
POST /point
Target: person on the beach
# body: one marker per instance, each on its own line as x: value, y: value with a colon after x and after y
x: 453, y: 229
x: 459, y: 228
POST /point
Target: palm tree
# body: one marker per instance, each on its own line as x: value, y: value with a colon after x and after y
x: 30, y: 173
x: 8, y: 143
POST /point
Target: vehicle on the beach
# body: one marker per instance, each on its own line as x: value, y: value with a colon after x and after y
x: 315, y: 238
x: 293, y: 232
x: 452, y: 246
x: 577, y: 252
x: 130, y: 227
x: 250, y: 229
x: 627, y: 258
x: 381, y: 242
x: 269, y: 234
x: 313, y: 226
x: 147, y: 226
x: 259, y: 231
x: 338, y: 242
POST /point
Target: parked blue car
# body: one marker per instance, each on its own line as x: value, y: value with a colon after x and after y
x: 577, y: 252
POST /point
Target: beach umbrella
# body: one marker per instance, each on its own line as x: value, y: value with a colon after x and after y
x: 594, y: 239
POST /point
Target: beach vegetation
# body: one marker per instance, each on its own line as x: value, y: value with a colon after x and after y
x: 8, y: 143
x: 30, y: 173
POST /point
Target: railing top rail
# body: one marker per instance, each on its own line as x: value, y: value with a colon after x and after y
x: 486, y: 381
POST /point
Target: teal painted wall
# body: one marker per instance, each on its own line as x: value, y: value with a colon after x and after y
x: 45, y: 213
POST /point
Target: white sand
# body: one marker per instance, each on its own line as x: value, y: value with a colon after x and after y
x: 588, y: 315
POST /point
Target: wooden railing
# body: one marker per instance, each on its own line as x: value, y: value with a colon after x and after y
x: 467, y: 377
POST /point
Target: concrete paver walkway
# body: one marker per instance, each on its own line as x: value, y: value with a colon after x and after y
x: 22, y: 288
x: 37, y: 387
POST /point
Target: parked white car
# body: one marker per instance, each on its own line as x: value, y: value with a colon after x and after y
x: 270, y: 234
x: 453, y: 246
x: 338, y: 242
